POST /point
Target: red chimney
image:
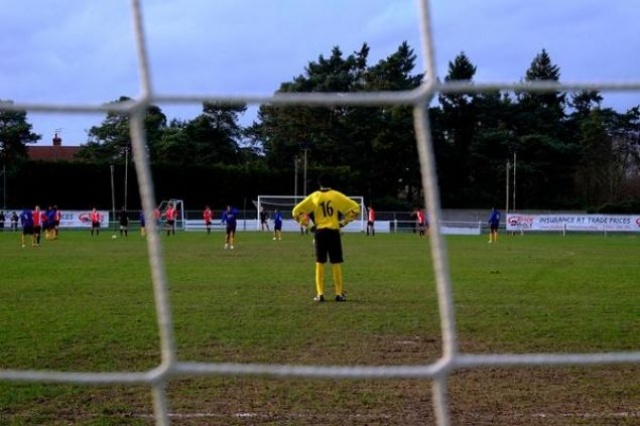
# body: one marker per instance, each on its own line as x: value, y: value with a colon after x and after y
x: 57, y: 141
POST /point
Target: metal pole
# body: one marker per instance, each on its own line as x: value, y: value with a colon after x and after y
x: 506, y: 210
x: 126, y: 173
x: 305, y: 172
x: 514, y: 181
x: 4, y: 175
x: 244, y: 213
x: 4, y: 186
x: 295, y: 178
x: 113, y: 197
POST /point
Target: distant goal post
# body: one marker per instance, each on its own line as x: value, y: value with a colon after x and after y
x: 285, y: 203
x: 178, y: 205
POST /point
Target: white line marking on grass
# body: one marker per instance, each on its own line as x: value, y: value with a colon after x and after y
x: 620, y: 415
x: 265, y: 416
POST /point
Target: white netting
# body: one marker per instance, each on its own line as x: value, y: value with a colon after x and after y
x: 450, y: 359
x: 283, y: 203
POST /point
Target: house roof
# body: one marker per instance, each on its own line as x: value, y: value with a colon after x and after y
x: 52, y: 153
x: 55, y: 152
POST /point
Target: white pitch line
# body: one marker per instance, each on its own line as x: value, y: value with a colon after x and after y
x: 619, y: 415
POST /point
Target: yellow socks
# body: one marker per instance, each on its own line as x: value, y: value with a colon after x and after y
x: 336, y: 269
x: 319, y: 279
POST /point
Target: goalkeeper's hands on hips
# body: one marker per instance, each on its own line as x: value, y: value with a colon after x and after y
x: 349, y: 217
x: 303, y: 219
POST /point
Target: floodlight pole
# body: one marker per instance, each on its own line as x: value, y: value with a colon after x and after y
x: 506, y: 210
x: 514, y: 181
x: 113, y: 196
x: 4, y: 185
x: 295, y: 178
x: 126, y: 173
x: 4, y: 175
x: 304, y: 184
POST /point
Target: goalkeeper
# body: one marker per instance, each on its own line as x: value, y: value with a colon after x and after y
x: 331, y: 211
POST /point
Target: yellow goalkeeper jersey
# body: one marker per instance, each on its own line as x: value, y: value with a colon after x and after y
x: 327, y: 207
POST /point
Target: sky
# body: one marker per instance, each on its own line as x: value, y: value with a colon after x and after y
x: 83, y: 51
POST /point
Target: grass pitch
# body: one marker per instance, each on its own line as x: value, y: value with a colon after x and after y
x: 86, y: 304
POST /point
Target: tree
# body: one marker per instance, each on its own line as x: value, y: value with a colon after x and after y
x: 596, y: 177
x: 109, y: 140
x: 173, y: 146
x: 213, y: 137
x: 546, y: 110
x: 284, y: 130
x: 624, y: 131
x: 545, y: 149
x: 395, y: 165
x: 15, y: 134
x: 459, y: 118
x: 490, y: 152
x: 584, y: 102
x: 376, y: 144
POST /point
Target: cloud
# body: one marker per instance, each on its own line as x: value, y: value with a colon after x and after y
x: 84, y: 52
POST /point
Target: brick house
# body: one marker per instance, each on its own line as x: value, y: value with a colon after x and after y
x: 55, y: 152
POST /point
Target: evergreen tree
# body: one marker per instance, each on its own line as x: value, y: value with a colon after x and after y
x: 596, y: 180
x: 546, y: 153
x: 491, y: 151
x: 285, y: 131
x: 112, y: 138
x: 375, y: 144
x: 174, y: 146
x: 395, y: 168
x: 545, y: 111
x: 15, y: 135
x: 584, y: 102
x: 625, y: 139
x: 214, y: 136
x: 459, y: 118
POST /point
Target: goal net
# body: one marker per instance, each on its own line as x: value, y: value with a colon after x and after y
x: 178, y: 205
x: 268, y: 204
x: 172, y: 364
